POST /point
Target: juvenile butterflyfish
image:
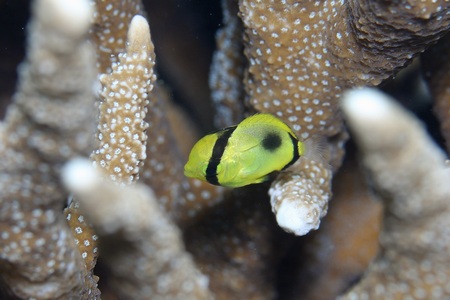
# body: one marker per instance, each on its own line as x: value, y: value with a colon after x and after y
x: 244, y: 154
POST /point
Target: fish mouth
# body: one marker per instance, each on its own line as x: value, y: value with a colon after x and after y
x: 191, y: 172
x: 187, y: 171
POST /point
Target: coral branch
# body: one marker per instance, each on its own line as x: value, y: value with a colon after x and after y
x: 227, y: 69
x: 163, y: 168
x: 303, y: 55
x: 184, y: 199
x: 143, y: 249
x: 410, y: 172
x: 436, y: 65
x: 289, y: 58
x: 84, y: 235
x: 121, y: 128
x: 326, y: 262
x: 110, y: 28
x: 238, y: 245
x: 386, y: 35
x: 128, y: 86
x: 50, y: 121
x: 299, y: 207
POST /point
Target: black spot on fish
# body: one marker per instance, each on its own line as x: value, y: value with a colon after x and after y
x: 271, y: 141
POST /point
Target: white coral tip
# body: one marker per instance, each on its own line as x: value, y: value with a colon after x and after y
x: 71, y: 16
x: 139, y: 35
x: 79, y: 176
x: 365, y: 104
x: 296, y: 218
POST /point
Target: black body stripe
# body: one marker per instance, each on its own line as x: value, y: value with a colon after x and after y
x: 218, y: 150
x: 295, y: 155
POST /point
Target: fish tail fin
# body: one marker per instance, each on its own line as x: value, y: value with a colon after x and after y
x: 315, y: 148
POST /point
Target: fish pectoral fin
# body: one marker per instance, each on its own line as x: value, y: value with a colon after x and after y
x: 268, y: 177
x: 245, y: 143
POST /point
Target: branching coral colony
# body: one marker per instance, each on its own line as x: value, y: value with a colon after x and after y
x: 415, y: 240
x: 163, y: 236
x: 50, y: 121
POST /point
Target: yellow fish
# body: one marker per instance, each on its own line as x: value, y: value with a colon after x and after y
x: 244, y: 154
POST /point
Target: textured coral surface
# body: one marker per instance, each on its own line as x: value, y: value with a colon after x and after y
x: 414, y: 256
x: 95, y: 83
x: 49, y: 122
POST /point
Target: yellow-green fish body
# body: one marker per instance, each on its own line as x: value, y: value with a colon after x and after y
x: 244, y: 154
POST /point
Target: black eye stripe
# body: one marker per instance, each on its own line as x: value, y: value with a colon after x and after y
x: 216, y: 156
x: 295, y: 154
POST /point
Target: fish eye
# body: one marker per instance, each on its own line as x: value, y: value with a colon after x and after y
x: 271, y: 141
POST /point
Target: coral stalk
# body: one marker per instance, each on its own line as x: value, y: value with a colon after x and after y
x: 227, y: 69
x: 50, y: 121
x: 143, y: 249
x: 121, y: 128
x: 109, y: 31
x: 411, y: 174
x: 436, y: 65
x: 302, y: 55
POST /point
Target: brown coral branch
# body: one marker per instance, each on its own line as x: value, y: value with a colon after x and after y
x: 121, y: 127
x: 307, y: 200
x: 326, y: 262
x: 436, y: 66
x: 140, y: 245
x: 384, y: 36
x: 50, y: 121
x: 411, y: 174
x: 238, y: 245
x: 183, y: 198
x: 84, y: 235
x: 303, y: 55
x: 227, y: 69
x: 109, y: 31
